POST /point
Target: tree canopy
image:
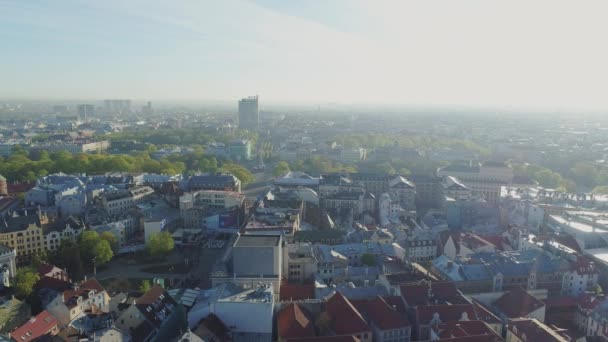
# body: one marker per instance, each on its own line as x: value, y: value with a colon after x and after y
x: 160, y: 244
x: 145, y: 286
x: 281, y: 168
x: 93, y: 246
x: 25, y: 279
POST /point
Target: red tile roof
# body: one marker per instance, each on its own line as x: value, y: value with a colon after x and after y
x: 534, y: 330
x: 479, y: 338
x: 151, y: 296
x: 396, y: 302
x: 415, y: 294
x: 214, y: 325
x: 296, y: 291
x: 293, y: 321
x: 70, y: 296
x: 384, y: 316
x: 590, y: 302
x: 517, y: 303
x: 35, y: 328
x: 345, y: 317
x: 13, y: 188
x: 51, y: 271
x: 484, y: 314
x: 475, y: 241
x: 153, y: 302
x: 583, y: 265
x: 568, y: 241
x: 447, y: 313
x: 53, y: 283
x: 343, y: 338
x: 464, y: 328
x: 496, y: 240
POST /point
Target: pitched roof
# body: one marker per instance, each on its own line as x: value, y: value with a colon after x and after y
x: 495, y: 240
x: 345, y: 317
x: 396, y: 302
x: 53, y: 283
x: 517, y: 303
x: 534, y: 330
x: 156, y: 305
x: 343, y: 338
x: 215, y: 325
x: 478, y: 338
x: 291, y: 291
x: 35, y: 328
x: 446, y: 313
x: 589, y: 302
x: 19, y: 187
x: 463, y: 328
x: 70, y: 296
x: 568, y: 241
x: 385, y: 316
x: 484, y: 314
x: 151, y: 296
x: 440, y: 292
x: 293, y: 321
x: 474, y: 241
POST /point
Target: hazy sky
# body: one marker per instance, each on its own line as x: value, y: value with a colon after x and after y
x: 517, y: 53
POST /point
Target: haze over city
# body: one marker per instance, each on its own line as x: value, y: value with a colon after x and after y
x: 303, y: 171
x: 516, y: 54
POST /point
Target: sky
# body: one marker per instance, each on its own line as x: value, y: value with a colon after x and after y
x: 541, y: 54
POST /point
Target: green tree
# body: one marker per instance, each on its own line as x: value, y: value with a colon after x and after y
x: 103, y: 252
x: 404, y: 172
x: 584, y: 174
x: 368, y: 259
x: 93, y: 246
x: 25, y: 279
x: 145, y: 286
x: 68, y: 256
x: 39, y: 258
x: 240, y: 172
x: 88, y: 241
x: 385, y: 168
x: 598, y: 290
x: 281, y: 168
x: 601, y: 190
x: 111, y: 238
x: 160, y: 244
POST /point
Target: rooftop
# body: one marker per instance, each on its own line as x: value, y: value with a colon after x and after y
x: 294, y: 321
x: 518, y: 303
x: 35, y: 328
x: 534, y: 330
x: 345, y: 317
x: 257, y: 241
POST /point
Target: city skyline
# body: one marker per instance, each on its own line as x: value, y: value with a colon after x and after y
x: 401, y: 53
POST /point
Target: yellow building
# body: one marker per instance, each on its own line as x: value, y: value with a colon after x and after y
x: 24, y: 233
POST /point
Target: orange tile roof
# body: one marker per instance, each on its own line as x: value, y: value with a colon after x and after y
x: 296, y: 291
x: 447, y: 313
x: 293, y: 321
x: 35, y: 328
x: 345, y: 317
x: 384, y: 316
